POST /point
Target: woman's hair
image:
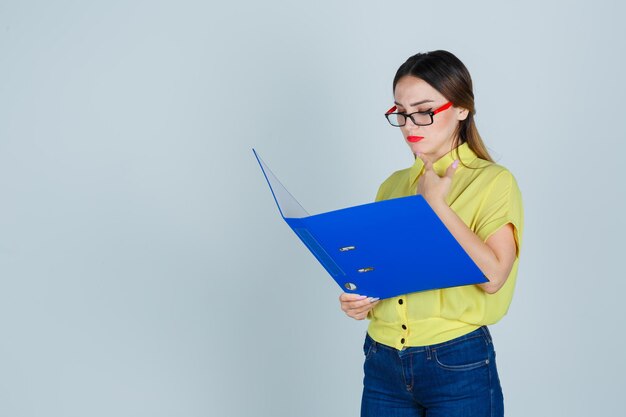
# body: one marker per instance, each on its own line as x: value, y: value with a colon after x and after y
x: 447, y: 74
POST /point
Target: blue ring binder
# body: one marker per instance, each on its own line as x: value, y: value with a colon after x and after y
x: 403, y: 246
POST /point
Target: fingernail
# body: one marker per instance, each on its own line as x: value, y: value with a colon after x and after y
x: 372, y: 299
x: 361, y: 297
x: 455, y: 163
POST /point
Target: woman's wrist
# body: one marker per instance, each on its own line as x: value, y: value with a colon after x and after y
x: 437, y: 204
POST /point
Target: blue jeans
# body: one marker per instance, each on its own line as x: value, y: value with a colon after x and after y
x: 457, y: 378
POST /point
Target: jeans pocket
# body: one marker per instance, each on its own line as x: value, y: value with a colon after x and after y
x: 464, y: 355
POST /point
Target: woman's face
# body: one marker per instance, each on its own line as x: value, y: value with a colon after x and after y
x: 413, y: 94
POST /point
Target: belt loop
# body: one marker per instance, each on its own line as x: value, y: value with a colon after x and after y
x: 487, y: 334
x: 428, y: 352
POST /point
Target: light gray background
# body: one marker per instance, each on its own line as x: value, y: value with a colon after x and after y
x: 144, y: 270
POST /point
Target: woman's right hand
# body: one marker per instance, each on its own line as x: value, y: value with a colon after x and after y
x: 357, y: 306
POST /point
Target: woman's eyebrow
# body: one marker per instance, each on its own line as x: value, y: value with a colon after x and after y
x: 416, y: 103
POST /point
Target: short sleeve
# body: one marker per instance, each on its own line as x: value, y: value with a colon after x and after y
x: 383, y: 190
x: 502, y: 204
x: 380, y: 193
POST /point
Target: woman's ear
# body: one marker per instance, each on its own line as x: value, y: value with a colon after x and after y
x: 462, y: 113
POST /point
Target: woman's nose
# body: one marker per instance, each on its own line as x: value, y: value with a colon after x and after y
x: 411, y: 124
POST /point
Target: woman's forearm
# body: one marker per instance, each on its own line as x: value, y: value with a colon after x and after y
x: 495, y: 270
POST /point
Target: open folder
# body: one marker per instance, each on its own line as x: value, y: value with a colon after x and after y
x: 381, y: 249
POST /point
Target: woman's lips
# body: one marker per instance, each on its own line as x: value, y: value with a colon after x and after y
x: 414, y: 139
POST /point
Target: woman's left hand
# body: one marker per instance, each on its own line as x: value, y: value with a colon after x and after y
x: 434, y: 188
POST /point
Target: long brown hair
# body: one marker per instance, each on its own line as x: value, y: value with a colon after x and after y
x: 447, y: 74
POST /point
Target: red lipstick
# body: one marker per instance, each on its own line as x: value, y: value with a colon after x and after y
x: 414, y: 139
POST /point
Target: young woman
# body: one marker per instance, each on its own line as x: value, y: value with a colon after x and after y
x: 430, y: 353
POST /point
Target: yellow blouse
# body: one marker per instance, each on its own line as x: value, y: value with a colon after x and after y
x: 486, y: 197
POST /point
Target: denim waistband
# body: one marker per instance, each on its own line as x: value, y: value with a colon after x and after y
x: 480, y: 332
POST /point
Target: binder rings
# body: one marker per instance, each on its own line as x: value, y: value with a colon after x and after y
x: 381, y: 249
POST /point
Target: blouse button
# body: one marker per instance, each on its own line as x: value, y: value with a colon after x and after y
x: 400, y: 301
x: 402, y: 340
x: 404, y: 327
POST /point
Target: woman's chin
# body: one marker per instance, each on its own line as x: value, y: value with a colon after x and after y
x: 417, y: 148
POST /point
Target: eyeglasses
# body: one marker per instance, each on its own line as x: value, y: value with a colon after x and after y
x: 418, y: 118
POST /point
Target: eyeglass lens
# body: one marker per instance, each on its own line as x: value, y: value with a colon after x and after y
x: 418, y: 118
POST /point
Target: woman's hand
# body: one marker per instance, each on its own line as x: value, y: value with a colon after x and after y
x: 357, y: 306
x: 434, y: 188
